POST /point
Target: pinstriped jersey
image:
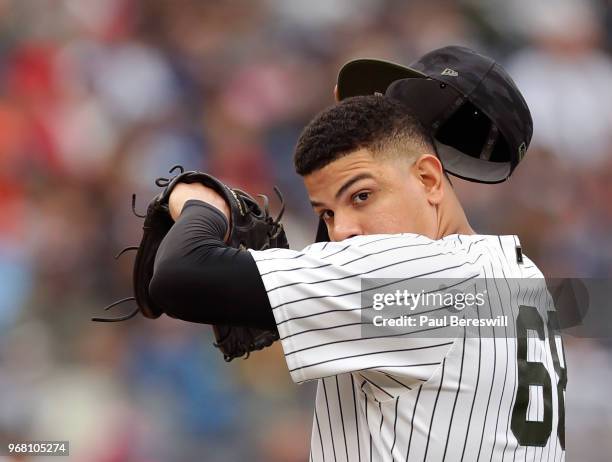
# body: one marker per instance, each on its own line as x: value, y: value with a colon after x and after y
x: 389, y: 397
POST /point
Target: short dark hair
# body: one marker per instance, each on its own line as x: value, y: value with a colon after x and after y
x: 374, y: 122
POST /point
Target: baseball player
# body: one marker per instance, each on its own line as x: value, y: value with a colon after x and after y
x: 377, y: 179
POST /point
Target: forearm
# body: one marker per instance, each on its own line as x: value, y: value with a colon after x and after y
x: 200, y: 279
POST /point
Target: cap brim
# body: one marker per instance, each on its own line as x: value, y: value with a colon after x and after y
x: 471, y: 168
x: 369, y: 76
x: 428, y: 100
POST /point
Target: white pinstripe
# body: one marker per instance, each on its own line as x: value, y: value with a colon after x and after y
x: 414, y: 398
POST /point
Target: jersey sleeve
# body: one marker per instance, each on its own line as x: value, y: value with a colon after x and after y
x: 316, y: 299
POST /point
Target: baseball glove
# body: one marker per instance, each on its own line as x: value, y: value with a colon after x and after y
x: 251, y: 227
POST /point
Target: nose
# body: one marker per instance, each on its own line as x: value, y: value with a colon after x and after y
x: 343, y: 227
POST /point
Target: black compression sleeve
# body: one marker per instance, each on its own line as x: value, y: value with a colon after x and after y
x: 198, y: 278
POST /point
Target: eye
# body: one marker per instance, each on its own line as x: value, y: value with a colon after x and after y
x: 361, y: 197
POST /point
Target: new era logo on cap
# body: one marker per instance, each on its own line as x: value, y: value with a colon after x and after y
x: 450, y: 72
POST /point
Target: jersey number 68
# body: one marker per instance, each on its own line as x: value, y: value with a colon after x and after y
x: 534, y: 373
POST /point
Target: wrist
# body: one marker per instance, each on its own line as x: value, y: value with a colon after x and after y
x: 183, y: 192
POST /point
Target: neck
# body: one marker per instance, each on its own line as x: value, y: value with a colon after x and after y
x: 455, y: 227
x: 463, y: 228
x: 452, y: 219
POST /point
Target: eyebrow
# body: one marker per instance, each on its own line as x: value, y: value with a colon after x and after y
x: 345, y: 186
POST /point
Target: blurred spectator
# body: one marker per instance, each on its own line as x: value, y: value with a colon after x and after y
x: 564, y: 76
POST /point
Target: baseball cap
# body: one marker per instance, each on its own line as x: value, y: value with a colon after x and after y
x: 480, y: 122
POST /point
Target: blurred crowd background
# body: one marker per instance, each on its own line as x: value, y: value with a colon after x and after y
x: 99, y: 97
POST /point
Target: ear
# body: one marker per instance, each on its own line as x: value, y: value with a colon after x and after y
x: 336, y: 96
x: 431, y: 174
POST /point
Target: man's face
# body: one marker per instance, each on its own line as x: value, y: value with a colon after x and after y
x: 360, y: 194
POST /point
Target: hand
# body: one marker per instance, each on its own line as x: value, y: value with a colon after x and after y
x: 183, y: 192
